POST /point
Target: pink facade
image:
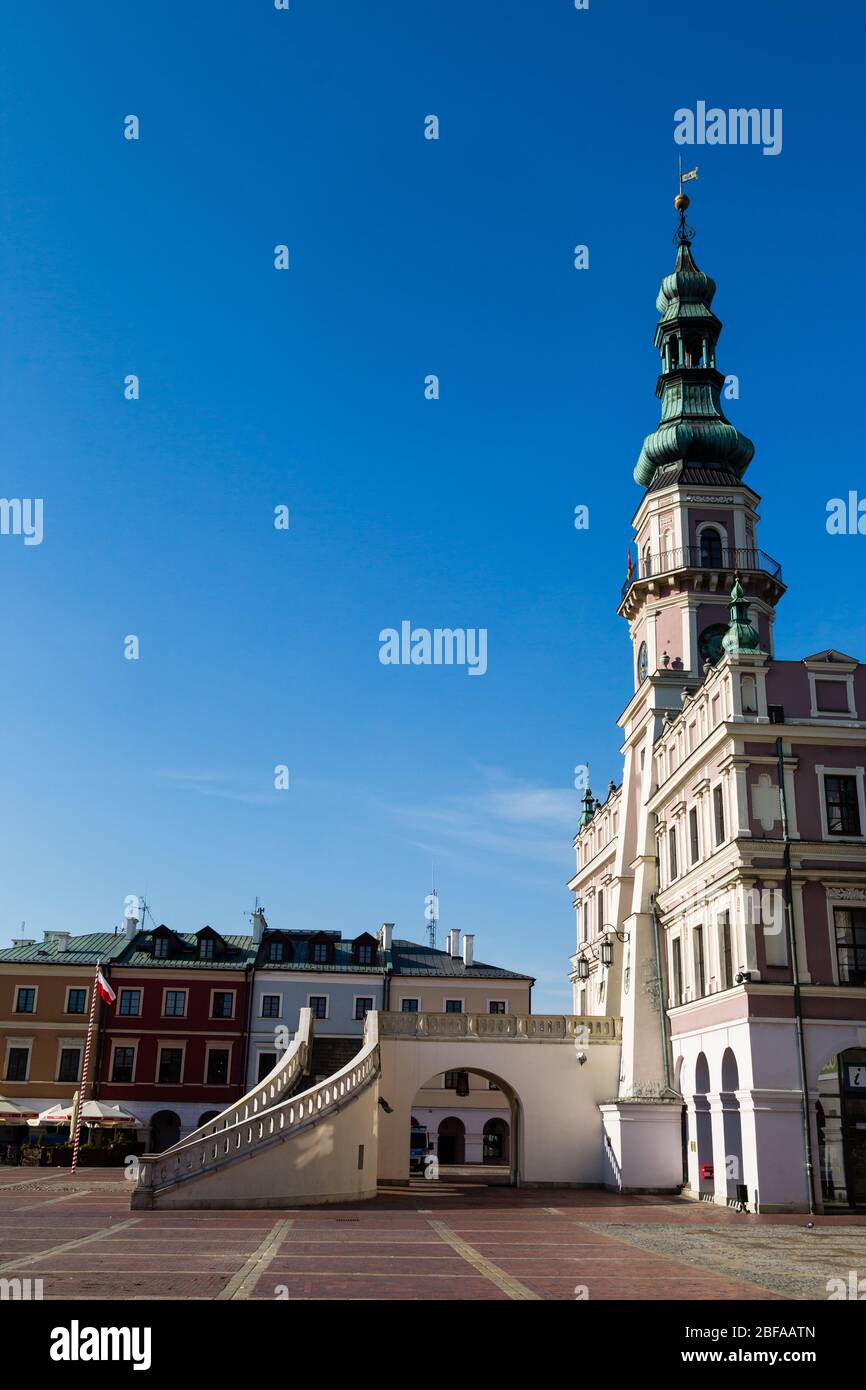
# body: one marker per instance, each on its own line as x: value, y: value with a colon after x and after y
x: 732, y: 905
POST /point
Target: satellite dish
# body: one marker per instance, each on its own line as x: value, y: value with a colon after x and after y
x: 132, y: 908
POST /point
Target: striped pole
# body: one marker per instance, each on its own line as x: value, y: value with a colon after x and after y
x: 76, y: 1138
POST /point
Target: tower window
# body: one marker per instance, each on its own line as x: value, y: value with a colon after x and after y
x: 711, y: 548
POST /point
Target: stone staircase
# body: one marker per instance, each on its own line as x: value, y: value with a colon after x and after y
x: 306, y: 1134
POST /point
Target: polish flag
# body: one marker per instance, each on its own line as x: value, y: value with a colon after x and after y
x: 103, y: 988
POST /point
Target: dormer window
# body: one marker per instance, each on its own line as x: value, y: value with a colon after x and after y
x: 364, y: 949
x: 321, y: 949
x: 161, y: 947
x: 276, y: 951
x: 206, y: 948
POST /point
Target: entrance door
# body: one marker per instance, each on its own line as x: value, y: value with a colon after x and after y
x: 841, y: 1123
x: 451, y: 1146
x: 164, y: 1130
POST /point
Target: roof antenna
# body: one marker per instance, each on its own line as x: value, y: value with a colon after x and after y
x: 431, y: 910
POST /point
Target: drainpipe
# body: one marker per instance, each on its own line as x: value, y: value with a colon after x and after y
x: 663, y: 1032
x: 795, y: 978
x: 249, y: 971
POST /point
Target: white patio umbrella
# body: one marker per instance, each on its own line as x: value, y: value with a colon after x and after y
x: 12, y: 1112
x: 93, y: 1112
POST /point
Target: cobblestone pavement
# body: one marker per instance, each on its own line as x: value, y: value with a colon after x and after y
x: 456, y: 1239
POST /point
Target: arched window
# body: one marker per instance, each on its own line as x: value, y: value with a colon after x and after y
x: 711, y: 548
x: 749, y: 692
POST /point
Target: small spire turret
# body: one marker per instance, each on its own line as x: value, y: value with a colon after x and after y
x: 741, y: 636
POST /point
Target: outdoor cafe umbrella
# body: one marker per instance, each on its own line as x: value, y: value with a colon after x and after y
x: 11, y: 1113
x: 93, y: 1112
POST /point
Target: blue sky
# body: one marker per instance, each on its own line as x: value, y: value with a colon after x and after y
x: 305, y: 388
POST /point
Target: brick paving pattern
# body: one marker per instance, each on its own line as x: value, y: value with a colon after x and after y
x: 457, y: 1239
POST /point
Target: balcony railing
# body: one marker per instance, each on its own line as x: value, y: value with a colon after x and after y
x: 697, y: 557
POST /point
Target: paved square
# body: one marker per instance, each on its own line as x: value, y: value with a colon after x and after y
x: 450, y: 1240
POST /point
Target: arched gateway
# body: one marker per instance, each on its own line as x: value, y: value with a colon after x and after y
x: 288, y: 1143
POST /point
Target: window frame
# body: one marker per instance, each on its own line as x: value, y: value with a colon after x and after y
x: 170, y: 1045
x: 694, y: 837
x: 170, y: 989
x: 677, y: 983
x: 18, y: 1045
x: 212, y: 1046
x: 77, y: 989
x: 122, y: 1045
x: 222, y: 1018
x: 673, y: 855
x: 699, y: 959
x: 28, y: 989
x: 719, y: 815
x: 856, y: 774
x: 859, y: 951
x: 323, y: 1018
x: 129, y: 989
x: 65, y: 1045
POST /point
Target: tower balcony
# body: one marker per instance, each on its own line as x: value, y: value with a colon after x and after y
x: 710, y: 568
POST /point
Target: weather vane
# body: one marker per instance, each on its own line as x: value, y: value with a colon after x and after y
x: 684, y: 234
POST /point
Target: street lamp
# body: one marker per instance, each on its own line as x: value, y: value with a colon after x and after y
x: 604, y: 954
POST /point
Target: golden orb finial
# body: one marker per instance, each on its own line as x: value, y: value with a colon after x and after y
x: 681, y: 202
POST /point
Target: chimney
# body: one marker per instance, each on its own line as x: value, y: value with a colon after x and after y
x: 468, y: 948
x: 454, y: 942
x: 130, y: 927
x: 386, y: 935
x: 23, y: 941
x: 58, y: 939
x: 259, y: 924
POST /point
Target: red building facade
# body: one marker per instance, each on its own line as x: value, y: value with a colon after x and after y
x: 173, y: 1045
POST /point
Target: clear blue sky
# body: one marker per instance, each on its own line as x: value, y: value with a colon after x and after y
x: 408, y: 257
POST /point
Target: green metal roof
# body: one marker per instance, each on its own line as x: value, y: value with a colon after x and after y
x: 83, y: 950
x: 694, y: 429
x: 242, y: 951
x: 405, y: 957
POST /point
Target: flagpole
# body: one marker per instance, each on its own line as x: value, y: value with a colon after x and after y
x: 76, y: 1138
